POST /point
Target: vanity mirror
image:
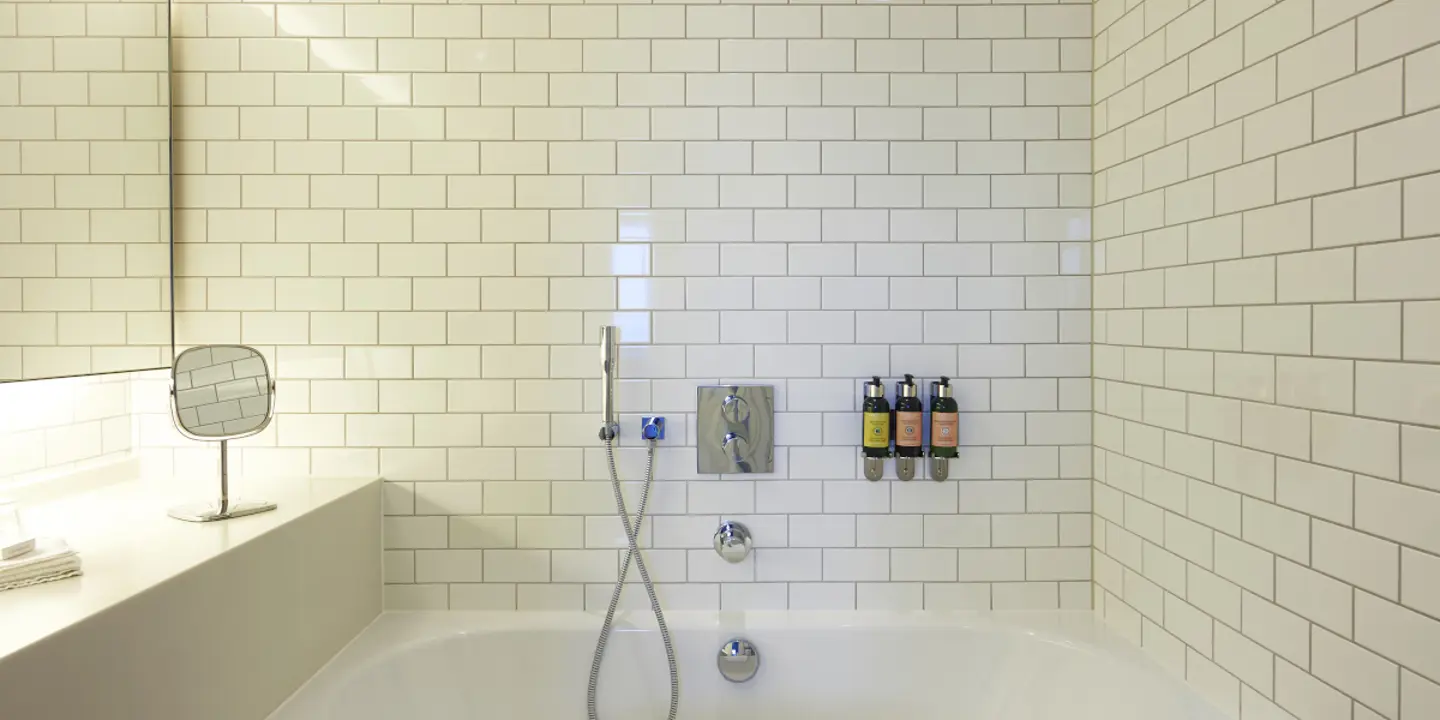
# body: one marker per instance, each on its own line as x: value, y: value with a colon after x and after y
x: 85, y: 201
x: 224, y: 393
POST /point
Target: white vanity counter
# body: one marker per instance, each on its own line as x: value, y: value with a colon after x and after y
x: 283, y: 590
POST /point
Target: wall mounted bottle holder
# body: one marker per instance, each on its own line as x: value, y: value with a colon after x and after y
x: 735, y: 427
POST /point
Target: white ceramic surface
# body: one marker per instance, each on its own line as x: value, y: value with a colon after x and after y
x: 189, y: 621
x: 832, y: 665
x: 128, y: 545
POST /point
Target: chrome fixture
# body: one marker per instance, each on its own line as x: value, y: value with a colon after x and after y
x: 908, y: 427
x: 651, y: 429
x: 609, y: 374
x: 876, y: 429
x: 739, y: 660
x: 732, y: 541
x: 944, y: 428
x: 939, y: 468
x: 221, y: 392
x: 735, y: 428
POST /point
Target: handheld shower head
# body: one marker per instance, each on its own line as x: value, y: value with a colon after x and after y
x: 609, y: 375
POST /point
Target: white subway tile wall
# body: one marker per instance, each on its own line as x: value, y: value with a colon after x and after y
x: 423, y: 213
x: 84, y: 196
x: 58, y: 426
x: 1267, y: 508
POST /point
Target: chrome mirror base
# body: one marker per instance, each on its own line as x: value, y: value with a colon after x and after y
x: 211, y: 511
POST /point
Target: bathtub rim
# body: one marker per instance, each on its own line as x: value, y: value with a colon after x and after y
x: 395, y: 632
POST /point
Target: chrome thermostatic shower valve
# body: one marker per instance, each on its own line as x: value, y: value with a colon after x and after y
x: 739, y: 660
x: 735, y: 429
x: 732, y: 541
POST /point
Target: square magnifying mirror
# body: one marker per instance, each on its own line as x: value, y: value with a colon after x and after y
x: 221, y: 393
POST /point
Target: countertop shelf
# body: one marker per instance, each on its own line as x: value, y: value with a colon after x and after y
x: 128, y: 544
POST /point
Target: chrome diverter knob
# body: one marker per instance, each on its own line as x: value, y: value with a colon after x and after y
x: 732, y: 541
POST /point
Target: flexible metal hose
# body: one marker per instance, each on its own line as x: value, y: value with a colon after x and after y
x: 632, y: 533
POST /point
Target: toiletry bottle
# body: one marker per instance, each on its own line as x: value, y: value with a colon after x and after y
x: 909, y: 427
x: 944, y: 428
x: 876, y: 429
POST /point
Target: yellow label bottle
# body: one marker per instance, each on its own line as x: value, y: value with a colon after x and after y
x: 877, y: 430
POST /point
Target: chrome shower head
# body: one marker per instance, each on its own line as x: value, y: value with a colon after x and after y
x: 609, y: 376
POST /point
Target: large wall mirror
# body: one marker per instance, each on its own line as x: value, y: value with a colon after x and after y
x: 84, y: 188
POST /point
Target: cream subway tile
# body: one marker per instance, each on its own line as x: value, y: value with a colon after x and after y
x: 1330, y: 12
x: 1300, y: 693
x: 415, y: 532
x: 1419, y: 218
x: 1419, y: 457
x: 1357, y: 444
x: 1395, y: 633
x: 497, y: 596
x: 1393, y: 31
x: 1355, y: 558
x: 471, y: 55
x: 1378, y: 157
x: 1421, y: 587
x: 442, y: 21
x: 1393, y: 511
x: 517, y: 566
x: 1418, y: 696
x: 651, y: 21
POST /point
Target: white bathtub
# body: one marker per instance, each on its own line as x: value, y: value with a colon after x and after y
x: 831, y: 665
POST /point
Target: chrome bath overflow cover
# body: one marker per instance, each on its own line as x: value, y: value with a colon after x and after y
x: 739, y: 660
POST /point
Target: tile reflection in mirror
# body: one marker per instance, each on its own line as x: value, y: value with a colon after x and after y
x: 222, y: 391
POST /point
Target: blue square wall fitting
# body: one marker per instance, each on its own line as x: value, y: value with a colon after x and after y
x: 658, y: 429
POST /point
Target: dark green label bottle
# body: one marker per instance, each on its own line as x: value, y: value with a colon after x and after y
x: 944, y: 420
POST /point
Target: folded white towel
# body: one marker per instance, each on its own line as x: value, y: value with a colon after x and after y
x: 27, y: 582
x: 52, y: 559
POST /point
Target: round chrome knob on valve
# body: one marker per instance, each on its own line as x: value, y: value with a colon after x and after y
x: 732, y: 541
x: 735, y: 446
x: 739, y: 660
x: 734, y: 409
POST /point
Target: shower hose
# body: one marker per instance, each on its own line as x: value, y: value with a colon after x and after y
x: 632, y: 532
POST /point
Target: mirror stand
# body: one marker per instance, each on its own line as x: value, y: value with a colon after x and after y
x: 223, y: 508
x: 221, y: 393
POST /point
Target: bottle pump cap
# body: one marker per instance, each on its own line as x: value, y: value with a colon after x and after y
x: 874, y: 388
x: 941, y: 388
x: 906, y: 387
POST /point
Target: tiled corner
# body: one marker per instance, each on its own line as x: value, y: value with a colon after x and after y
x: 1261, y: 319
